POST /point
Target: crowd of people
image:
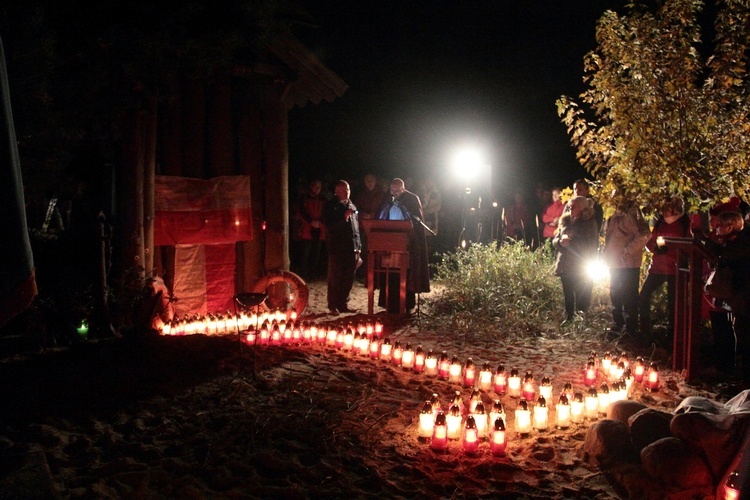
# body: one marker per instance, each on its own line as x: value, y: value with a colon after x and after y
x: 576, y: 230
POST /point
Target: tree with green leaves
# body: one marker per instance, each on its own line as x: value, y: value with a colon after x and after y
x: 667, y: 111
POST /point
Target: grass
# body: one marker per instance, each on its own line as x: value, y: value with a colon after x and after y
x: 505, y: 290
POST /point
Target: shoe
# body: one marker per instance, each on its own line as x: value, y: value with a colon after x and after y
x: 334, y: 312
x: 346, y: 309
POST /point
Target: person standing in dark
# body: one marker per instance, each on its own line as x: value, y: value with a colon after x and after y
x: 368, y: 201
x: 313, y: 231
x: 672, y: 223
x: 581, y: 188
x: 576, y: 241
x: 418, y: 276
x: 732, y: 250
x: 626, y: 234
x: 344, y: 247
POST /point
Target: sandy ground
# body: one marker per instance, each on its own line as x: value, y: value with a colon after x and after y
x: 210, y: 417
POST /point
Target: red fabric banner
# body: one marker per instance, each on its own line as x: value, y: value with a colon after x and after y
x: 198, y: 212
x: 204, y: 279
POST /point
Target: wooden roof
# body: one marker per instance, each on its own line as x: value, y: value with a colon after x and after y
x: 314, y: 82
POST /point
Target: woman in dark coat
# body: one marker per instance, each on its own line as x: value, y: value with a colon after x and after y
x: 576, y: 242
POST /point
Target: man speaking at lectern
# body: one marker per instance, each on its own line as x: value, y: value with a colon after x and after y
x: 405, y: 205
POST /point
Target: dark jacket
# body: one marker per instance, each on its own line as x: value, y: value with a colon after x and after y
x: 735, y: 254
x: 343, y: 236
x: 418, y: 279
x: 584, y: 243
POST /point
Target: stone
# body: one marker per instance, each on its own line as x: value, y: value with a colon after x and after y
x: 718, y: 437
x: 649, y: 425
x: 671, y: 461
x: 608, y: 443
x: 624, y: 409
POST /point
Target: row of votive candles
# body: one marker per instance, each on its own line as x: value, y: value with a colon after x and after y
x: 472, y: 424
x: 614, y: 370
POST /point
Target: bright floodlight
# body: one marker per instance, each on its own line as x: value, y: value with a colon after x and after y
x: 597, y: 270
x: 467, y: 163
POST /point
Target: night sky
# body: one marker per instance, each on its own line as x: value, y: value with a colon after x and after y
x: 427, y: 76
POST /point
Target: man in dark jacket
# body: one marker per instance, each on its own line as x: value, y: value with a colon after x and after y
x: 407, y: 205
x: 344, y: 247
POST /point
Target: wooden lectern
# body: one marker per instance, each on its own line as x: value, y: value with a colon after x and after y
x: 387, y: 253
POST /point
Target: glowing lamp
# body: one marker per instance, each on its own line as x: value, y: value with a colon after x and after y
x: 398, y: 353
x: 625, y: 359
x: 545, y: 388
x: 568, y: 391
x: 458, y: 401
x: 444, y: 366
x: 529, y: 389
x: 374, y: 349
x: 732, y: 487
x: 440, y: 433
x: 426, y: 421
x: 297, y: 334
x: 356, y: 341
x: 306, y: 334
x: 385, y: 350
x: 470, y: 373
x: 480, y: 418
x: 562, y: 412
x: 501, y: 380
x: 497, y: 438
x: 364, y: 346
x: 541, y: 414
x: 514, y: 384
x: 331, y: 337
x: 604, y: 400
x: 497, y: 411
x: 606, y: 363
x: 83, y: 329
x: 265, y: 335
x: 523, y: 418
x: 348, y: 340
x: 485, y: 377
x: 453, y: 420
x: 322, y: 335
x: 340, y: 335
x: 592, y: 404
x: 378, y: 332
x: 617, y: 371
x: 276, y: 335
x: 362, y: 329
x: 474, y: 399
x: 577, y: 408
x: 407, y: 358
x: 597, y: 270
x: 430, y: 364
x: 628, y: 378
x: 435, y: 402
x: 251, y: 337
x: 419, y: 359
x: 455, y: 370
x: 652, y: 378
x: 639, y: 369
x: 593, y: 357
x: 471, y: 436
x: 589, y: 376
